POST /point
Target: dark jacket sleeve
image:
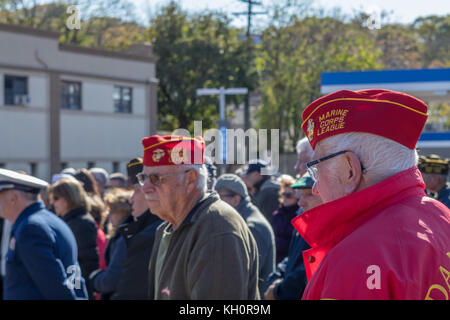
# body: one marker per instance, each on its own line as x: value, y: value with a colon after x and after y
x: 105, y: 281
x: 46, y: 270
x: 278, y: 273
x: 266, y: 254
x: 294, y: 278
x: 267, y: 201
x: 85, y: 232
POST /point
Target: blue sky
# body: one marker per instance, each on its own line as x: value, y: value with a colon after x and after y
x: 403, y: 11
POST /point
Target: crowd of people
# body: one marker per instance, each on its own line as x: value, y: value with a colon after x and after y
x: 373, y: 223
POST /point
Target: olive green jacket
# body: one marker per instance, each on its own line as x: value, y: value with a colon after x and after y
x: 212, y: 255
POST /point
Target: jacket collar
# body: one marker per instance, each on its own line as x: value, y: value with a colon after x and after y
x: 196, y: 212
x: 244, y: 208
x: 135, y: 226
x: 329, y: 223
x: 32, y: 208
x: 74, y: 213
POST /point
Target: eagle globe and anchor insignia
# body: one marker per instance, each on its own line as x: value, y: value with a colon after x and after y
x: 158, y: 154
x: 310, y: 129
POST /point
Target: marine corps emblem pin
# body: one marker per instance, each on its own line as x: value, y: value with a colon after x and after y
x: 310, y: 129
x: 157, y: 155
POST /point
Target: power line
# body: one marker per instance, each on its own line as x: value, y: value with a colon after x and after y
x: 249, y: 13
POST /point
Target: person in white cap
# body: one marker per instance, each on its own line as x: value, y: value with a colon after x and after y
x: 41, y: 262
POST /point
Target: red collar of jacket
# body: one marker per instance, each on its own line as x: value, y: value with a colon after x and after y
x: 326, y: 225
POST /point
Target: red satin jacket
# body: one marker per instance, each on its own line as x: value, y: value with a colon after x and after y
x: 388, y: 241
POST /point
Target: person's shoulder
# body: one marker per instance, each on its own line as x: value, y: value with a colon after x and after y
x: 219, y: 216
x: 86, y: 220
x: 394, y: 231
x: 270, y: 184
x: 257, y: 218
x: 39, y: 224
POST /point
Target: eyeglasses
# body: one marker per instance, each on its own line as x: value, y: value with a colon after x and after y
x: 155, y: 179
x: 311, y: 166
x: 288, y: 195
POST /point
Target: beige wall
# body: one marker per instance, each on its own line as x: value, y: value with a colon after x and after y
x: 95, y: 133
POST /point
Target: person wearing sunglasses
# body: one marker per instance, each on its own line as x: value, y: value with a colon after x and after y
x: 376, y: 235
x: 289, y: 279
x: 281, y: 218
x: 139, y: 235
x: 204, y: 249
x: 434, y: 171
x: 71, y: 203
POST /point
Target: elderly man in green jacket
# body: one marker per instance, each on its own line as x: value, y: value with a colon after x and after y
x: 204, y: 249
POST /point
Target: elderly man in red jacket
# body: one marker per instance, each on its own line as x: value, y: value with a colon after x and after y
x: 377, y: 235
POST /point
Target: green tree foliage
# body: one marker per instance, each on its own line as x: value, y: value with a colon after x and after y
x: 202, y: 50
x: 199, y: 51
x: 434, y: 40
x: 292, y: 59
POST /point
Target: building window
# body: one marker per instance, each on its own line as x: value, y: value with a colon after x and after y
x: 116, y: 166
x: 33, y: 168
x: 122, y: 99
x: 71, y: 95
x: 16, y: 90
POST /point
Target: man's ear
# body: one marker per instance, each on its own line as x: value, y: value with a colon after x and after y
x: 352, y: 172
x: 192, y: 177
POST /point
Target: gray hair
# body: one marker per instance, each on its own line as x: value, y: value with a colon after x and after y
x: 381, y: 157
x: 100, y: 174
x: 202, y: 175
x: 303, y: 146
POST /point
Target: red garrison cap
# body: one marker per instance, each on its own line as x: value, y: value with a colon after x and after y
x: 173, y: 150
x: 390, y: 114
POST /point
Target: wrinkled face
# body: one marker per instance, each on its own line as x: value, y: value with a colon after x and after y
x: 163, y: 197
x: 329, y: 185
x: 289, y: 197
x: 138, y: 201
x: 307, y: 200
x: 60, y: 205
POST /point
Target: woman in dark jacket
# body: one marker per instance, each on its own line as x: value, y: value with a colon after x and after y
x: 70, y: 203
x: 281, y: 218
x: 106, y: 281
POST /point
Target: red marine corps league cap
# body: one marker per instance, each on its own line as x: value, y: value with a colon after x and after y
x: 173, y: 150
x: 390, y: 114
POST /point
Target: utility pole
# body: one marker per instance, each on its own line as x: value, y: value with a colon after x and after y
x: 249, y: 13
x: 223, y: 120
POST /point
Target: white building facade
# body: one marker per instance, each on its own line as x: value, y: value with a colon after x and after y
x: 68, y: 106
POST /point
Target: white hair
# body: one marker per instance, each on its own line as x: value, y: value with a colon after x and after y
x: 304, y: 147
x: 380, y: 157
x: 202, y: 175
